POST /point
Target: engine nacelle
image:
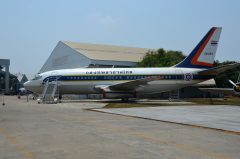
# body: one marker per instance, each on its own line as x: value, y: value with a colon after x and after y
x: 236, y: 89
x: 117, y: 95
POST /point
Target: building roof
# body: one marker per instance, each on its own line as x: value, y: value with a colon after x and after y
x: 108, y: 52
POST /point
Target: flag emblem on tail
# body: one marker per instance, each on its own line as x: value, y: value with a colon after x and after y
x: 214, y: 43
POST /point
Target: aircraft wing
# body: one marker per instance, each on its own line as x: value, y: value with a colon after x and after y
x: 218, y: 90
x: 129, y: 85
x: 220, y: 69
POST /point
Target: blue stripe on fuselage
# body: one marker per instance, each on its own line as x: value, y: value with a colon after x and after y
x: 121, y: 77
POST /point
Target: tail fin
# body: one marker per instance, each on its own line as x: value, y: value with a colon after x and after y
x: 204, y: 53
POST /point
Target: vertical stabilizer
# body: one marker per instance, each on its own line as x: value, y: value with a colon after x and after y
x: 204, y: 53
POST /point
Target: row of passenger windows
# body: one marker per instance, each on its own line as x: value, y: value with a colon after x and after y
x: 81, y: 78
x: 103, y: 77
x: 109, y: 77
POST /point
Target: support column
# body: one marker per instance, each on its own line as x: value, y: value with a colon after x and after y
x: 6, y: 63
x: 7, y: 79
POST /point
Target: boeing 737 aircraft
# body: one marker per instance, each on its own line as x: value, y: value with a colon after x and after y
x: 124, y: 83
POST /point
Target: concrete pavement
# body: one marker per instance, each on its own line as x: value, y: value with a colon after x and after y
x: 68, y: 131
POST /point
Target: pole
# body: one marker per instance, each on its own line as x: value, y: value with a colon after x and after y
x: 3, y: 100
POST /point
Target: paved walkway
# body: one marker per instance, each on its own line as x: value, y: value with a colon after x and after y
x: 218, y: 117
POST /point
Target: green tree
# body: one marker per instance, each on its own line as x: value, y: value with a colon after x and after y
x: 161, y: 58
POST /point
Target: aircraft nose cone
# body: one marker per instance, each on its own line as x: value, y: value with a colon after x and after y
x: 26, y: 84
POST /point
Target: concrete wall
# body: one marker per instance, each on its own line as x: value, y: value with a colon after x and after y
x: 6, y: 63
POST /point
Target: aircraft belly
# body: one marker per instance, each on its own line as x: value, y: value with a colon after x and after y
x: 163, y: 86
x: 173, y: 82
x: 76, y: 88
x: 36, y: 89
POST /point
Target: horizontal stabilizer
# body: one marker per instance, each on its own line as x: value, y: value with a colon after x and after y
x: 220, y: 69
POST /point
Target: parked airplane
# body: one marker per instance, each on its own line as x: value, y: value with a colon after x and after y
x: 228, y: 91
x: 127, y: 83
x: 24, y: 91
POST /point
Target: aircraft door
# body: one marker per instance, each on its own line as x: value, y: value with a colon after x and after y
x: 55, y: 77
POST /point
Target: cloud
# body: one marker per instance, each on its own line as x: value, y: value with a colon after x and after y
x: 106, y: 20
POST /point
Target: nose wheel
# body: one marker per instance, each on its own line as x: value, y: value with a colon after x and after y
x: 39, y: 100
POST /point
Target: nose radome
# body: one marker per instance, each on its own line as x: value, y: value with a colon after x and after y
x: 26, y: 84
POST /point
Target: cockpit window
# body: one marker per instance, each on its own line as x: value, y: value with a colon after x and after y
x: 37, y: 77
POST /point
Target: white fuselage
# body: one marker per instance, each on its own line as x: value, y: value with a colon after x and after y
x: 85, y: 80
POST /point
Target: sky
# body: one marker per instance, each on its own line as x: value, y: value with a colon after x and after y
x: 30, y: 29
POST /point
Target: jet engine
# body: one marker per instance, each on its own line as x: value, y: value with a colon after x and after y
x: 118, y: 94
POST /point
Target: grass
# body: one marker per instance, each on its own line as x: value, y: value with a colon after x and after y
x: 146, y: 104
x: 195, y: 101
x: 213, y: 101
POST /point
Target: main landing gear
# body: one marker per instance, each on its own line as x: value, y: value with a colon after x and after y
x: 124, y: 100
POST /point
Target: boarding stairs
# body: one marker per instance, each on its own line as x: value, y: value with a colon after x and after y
x: 50, y: 92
